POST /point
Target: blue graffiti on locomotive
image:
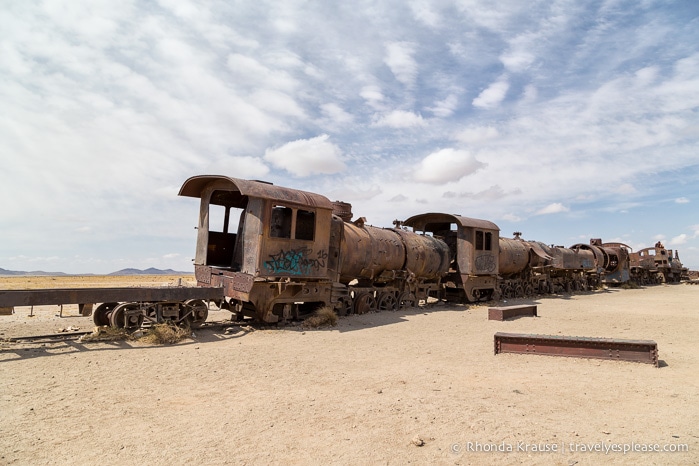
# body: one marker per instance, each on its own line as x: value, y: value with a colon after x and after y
x: 295, y: 261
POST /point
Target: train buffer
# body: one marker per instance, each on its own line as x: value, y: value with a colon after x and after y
x: 508, y: 312
x: 645, y: 351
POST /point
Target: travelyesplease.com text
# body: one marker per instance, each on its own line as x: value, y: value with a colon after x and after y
x: 567, y: 447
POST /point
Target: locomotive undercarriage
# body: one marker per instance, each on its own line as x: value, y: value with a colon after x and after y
x: 643, y: 277
x: 541, y: 281
x: 191, y: 312
x: 282, y: 301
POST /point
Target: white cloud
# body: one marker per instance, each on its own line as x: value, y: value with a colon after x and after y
x: 682, y: 200
x: 445, y: 108
x: 335, y: 114
x: 305, y: 157
x: 517, y: 61
x: 625, y: 188
x: 372, y: 94
x: 399, y: 119
x: 511, y: 217
x: 493, y: 95
x: 399, y: 58
x: 277, y: 102
x: 554, y: 208
x: 476, y: 134
x: 677, y: 240
x: 239, y: 167
x: 446, y: 165
x: 355, y: 192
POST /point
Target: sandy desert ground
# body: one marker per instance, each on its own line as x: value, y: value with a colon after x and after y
x: 416, y: 387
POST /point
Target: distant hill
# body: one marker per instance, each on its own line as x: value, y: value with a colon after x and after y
x: 35, y: 273
x: 150, y: 271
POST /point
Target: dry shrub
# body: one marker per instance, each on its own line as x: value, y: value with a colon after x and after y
x: 106, y: 333
x: 323, y: 317
x: 165, y: 334
x: 629, y: 286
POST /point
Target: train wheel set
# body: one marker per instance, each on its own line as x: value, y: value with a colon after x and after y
x: 192, y: 312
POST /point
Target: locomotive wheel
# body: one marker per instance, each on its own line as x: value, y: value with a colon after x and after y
x: 364, y: 303
x: 344, y: 307
x: 406, y: 300
x: 100, y: 316
x: 387, y: 302
x: 199, y: 312
x: 117, y: 318
x: 519, y: 291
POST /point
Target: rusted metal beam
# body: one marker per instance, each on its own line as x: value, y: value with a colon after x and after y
x: 507, y: 312
x: 42, y: 297
x: 645, y: 351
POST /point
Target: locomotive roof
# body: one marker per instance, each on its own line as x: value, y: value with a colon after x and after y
x: 195, y: 185
x: 419, y: 221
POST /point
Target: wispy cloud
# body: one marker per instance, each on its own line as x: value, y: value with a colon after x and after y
x: 555, y: 208
x: 399, y: 119
x: 493, y: 95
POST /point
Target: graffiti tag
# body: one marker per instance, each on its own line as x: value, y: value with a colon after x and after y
x: 485, y: 263
x: 296, y: 261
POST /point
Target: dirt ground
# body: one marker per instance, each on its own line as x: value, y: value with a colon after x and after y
x: 411, y: 387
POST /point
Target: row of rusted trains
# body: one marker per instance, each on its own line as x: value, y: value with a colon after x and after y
x: 279, y: 253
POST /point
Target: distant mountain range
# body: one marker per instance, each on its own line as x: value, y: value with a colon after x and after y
x: 150, y: 271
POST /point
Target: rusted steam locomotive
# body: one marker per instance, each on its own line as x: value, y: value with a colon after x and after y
x: 487, y: 266
x: 279, y: 253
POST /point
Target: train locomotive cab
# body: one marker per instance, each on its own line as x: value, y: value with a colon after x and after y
x: 656, y: 265
x: 267, y: 246
x: 473, y: 247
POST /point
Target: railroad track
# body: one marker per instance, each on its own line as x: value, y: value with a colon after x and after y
x: 71, y: 336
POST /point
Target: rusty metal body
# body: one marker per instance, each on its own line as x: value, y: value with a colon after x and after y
x: 294, y: 251
x: 508, y: 312
x: 656, y: 265
x: 474, y: 253
x: 611, y: 260
x: 644, y: 351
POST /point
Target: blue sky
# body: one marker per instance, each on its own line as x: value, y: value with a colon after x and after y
x: 565, y: 120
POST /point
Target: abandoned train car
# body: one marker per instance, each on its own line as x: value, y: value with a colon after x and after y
x: 280, y: 253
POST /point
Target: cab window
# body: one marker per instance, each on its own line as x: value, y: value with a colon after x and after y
x: 280, y: 223
x: 305, y: 225
x: 484, y: 241
x: 284, y: 221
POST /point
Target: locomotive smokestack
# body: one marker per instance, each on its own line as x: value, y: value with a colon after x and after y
x: 343, y: 210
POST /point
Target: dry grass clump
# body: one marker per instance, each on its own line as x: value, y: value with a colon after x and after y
x: 323, y: 317
x: 629, y: 285
x: 159, y: 334
x: 165, y: 334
